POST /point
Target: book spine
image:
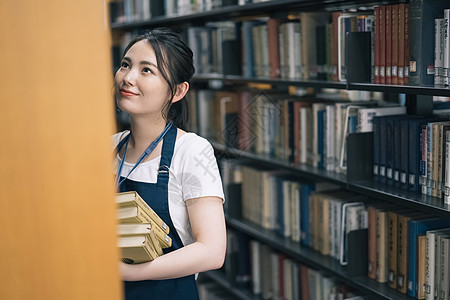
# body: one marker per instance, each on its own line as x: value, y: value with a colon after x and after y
x: 446, y: 189
x: 392, y: 249
x: 414, y: 130
x: 390, y: 146
x: 332, y: 227
x: 382, y: 246
x: 296, y: 133
x: 422, y: 35
x: 430, y: 266
x: 423, y: 159
x: 429, y: 151
x: 383, y: 150
x: 154, y: 245
x: 421, y: 273
x: 395, y: 43
x: 437, y: 259
x: 404, y: 153
x: 382, y: 18
x: 376, y: 148
x: 320, y: 138
x: 152, y: 214
x: 329, y: 161
x: 397, y: 153
x: 325, y: 225
x: 435, y: 192
x: 402, y: 253
x: 441, y: 158
x: 255, y: 248
x: 444, y: 268
x: 273, y: 47
x: 163, y: 238
x: 334, y: 37
x: 372, y: 251
x: 438, y: 53
x: 446, y: 48
x: 407, y: 47
x: 376, y: 38
x: 401, y: 43
x: 247, y: 51
x: 388, y: 36
x: 412, y: 258
x: 295, y: 211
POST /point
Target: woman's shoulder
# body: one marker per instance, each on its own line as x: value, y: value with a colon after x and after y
x: 192, y: 141
x: 116, y: 138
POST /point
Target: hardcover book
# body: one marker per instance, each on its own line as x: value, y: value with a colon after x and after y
x: 421, y: 29
x: 137, y: 249
x: 130, y: 199
x: 132, y: 229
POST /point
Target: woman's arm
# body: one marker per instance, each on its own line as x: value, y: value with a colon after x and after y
x: 206, y: 253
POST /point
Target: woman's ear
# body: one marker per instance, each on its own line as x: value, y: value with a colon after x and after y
x: 182, y: 89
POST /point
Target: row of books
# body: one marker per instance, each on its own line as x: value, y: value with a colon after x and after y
x: 398, y: 253
x: 323, y: 218
x: 274, y: 275
x: 408, y: 249
x: 411, y: 152
x: 128, y: 11
x: 215, y: 48
x: 142, y: 233
x: 312, y: 45
x: 302, y: 130
x: 442, y: 50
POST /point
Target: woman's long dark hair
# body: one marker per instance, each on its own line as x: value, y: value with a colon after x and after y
x: 175, y: 62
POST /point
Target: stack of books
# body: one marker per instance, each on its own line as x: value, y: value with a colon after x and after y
x: 142, y: 233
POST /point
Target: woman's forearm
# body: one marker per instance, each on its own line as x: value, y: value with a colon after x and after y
x: 194, y: 258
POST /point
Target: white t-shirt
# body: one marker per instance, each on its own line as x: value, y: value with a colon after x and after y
x: 193, y: 173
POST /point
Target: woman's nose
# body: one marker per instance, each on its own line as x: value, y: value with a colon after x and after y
x: 130, y: 77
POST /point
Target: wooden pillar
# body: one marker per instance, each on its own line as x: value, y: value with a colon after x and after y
x: 57, y: 213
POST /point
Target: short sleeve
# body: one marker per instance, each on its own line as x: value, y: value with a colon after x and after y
x: 200, y: 177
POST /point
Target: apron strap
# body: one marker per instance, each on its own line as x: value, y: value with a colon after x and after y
x: 166, y: 156
x: 122, y: 142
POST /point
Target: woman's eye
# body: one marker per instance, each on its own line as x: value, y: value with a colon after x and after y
x: 124, y: 65
x: 147, y: 70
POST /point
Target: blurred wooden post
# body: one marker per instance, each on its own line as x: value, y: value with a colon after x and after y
x: 57, y: 213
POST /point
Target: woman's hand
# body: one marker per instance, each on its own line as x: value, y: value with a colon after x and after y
x: 206, y: 253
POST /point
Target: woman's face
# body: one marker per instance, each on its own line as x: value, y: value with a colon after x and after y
x: 139, y: 85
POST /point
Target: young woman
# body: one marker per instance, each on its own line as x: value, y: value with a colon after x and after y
x: 174, y: 171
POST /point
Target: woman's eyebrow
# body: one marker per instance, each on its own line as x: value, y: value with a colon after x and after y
x: 144, y: 62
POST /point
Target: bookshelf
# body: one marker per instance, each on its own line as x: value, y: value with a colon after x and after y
x: 418, y: 100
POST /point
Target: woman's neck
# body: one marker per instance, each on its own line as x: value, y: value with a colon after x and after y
x: 145, y: 131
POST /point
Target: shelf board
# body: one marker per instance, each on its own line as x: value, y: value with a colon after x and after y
x: 219, y: 277
x: 315, y: 260
x: 298, y: 169
x: 432, y: 205
x: 378, y: 290
x: 293, y: 249
x: 234, y: 79
x: 402, y: 89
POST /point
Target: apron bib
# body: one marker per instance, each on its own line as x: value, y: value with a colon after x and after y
x: 156, y: 196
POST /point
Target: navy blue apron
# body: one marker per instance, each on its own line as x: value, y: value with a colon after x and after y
x: 156, y: 195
